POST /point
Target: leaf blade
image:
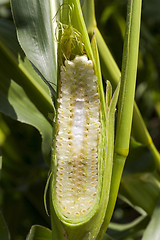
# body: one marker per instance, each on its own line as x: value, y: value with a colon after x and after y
x: 31, y: 105
x: 39, y: 233
x: 152, y: 231
x: 34, y: 28
x: 4, y: 233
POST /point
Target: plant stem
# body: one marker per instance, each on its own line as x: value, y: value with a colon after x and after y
x: 111, y: 71
x: 128, y: 78
x: 126, y: 102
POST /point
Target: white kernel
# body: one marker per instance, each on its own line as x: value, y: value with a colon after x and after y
x: 77, y: 213
x: 68, y: 213
x: 83, y: 211
x: 94, y: 178
x: 64, y: 207
x: 90, y: 63
x: 58, y: 184
x: 59, y: 196
x: 90, y: 202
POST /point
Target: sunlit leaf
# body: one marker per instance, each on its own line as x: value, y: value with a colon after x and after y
x: 152, y: 230
x: 3, y: 2
x: 31, y: 105
x: 123, y: 231
x: 39, y: 233
x: 17, y: 105
x: 33, y: 21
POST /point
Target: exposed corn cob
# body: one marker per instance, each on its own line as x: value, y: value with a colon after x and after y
x: 78, y: 129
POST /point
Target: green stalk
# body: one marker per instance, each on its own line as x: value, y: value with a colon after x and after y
x: 128, y: 78
x: 111, y: 71
x: 126, y: 102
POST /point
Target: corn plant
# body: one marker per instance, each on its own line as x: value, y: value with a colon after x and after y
x: 63, y: 74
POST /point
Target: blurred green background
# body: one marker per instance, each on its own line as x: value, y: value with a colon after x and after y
x: 24, y: 171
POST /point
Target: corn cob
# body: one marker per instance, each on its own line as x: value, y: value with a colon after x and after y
x: 77, y: 138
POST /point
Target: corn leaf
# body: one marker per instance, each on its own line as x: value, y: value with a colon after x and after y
x: 106, y: 237
x: 139, y: 187
x: 4, y: 233
x: 139, y: 159
x: 39, y: 233
x: 0, y: 165
x: 31, y: 105
x: 33, y: 21
x: 152, y: 230
x: 124, y: 231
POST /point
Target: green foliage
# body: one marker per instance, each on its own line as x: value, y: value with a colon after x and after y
x: 152, y: 230
x: 39, y: 233
x: 24, y: 96
x: 4, y: 234
x: 26, y: 102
